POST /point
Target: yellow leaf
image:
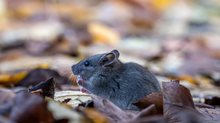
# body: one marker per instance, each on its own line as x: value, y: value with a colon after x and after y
x: 162, y: 4
x: 95, y: 116
x: 103, y: 34
x: 12, y: 78
x: 185, y: 77
x: 188, y: 78
x: 43, y: 66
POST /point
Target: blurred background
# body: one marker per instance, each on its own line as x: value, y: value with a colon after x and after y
x: 175, y: 39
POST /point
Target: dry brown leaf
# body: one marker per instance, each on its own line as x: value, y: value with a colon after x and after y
x: 178, y: 103
x: 35, y: 76
x: 30, y: 108
x: 147, y: 112
x: 47, y: 87
x: 114, y: 113
x: 155, y: 98
x: 95, y: 116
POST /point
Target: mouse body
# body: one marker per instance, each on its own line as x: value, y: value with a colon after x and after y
x: 122, y: 83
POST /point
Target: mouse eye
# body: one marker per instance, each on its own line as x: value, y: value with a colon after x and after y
x: 86, y: 63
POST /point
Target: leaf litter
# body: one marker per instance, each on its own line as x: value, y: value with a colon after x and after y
x: 40, y: 40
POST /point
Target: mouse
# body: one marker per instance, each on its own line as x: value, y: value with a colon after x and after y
x: 106, y: 76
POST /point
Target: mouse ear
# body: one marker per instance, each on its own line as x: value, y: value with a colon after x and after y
x: 109, y: 58
x: 116, y: 53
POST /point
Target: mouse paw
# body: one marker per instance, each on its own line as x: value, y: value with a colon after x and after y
x: 83, y: 90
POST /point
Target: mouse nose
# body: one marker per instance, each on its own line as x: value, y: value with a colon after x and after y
x: 74, y: 69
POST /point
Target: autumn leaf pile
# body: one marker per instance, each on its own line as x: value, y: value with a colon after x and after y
x: 174, y: 104
x: 41, y: 39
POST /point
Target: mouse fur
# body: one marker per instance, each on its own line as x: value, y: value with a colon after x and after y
x: 122, y: 83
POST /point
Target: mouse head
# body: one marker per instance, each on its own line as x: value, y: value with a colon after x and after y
x: 96, y: 65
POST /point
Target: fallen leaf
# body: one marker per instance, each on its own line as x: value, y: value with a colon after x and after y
x: 155, y: 98
x: 177, y: 102
x: 103, y: 34
x: 35, y: 76
x: 47, y: 87
x: 64, y: 112
x: 147, y: 112
x: 30, y: 108
x: 59, y: 63
x: 114, y: 113
x: 95, y: 116
x: 75, y: 97
x: 12, y: 78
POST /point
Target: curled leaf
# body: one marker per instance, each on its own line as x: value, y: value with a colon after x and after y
x: 47, y: 87
x: 155, y: 98
x: 178, y: 103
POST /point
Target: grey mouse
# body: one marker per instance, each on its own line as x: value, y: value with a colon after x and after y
x: 122, y: 83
